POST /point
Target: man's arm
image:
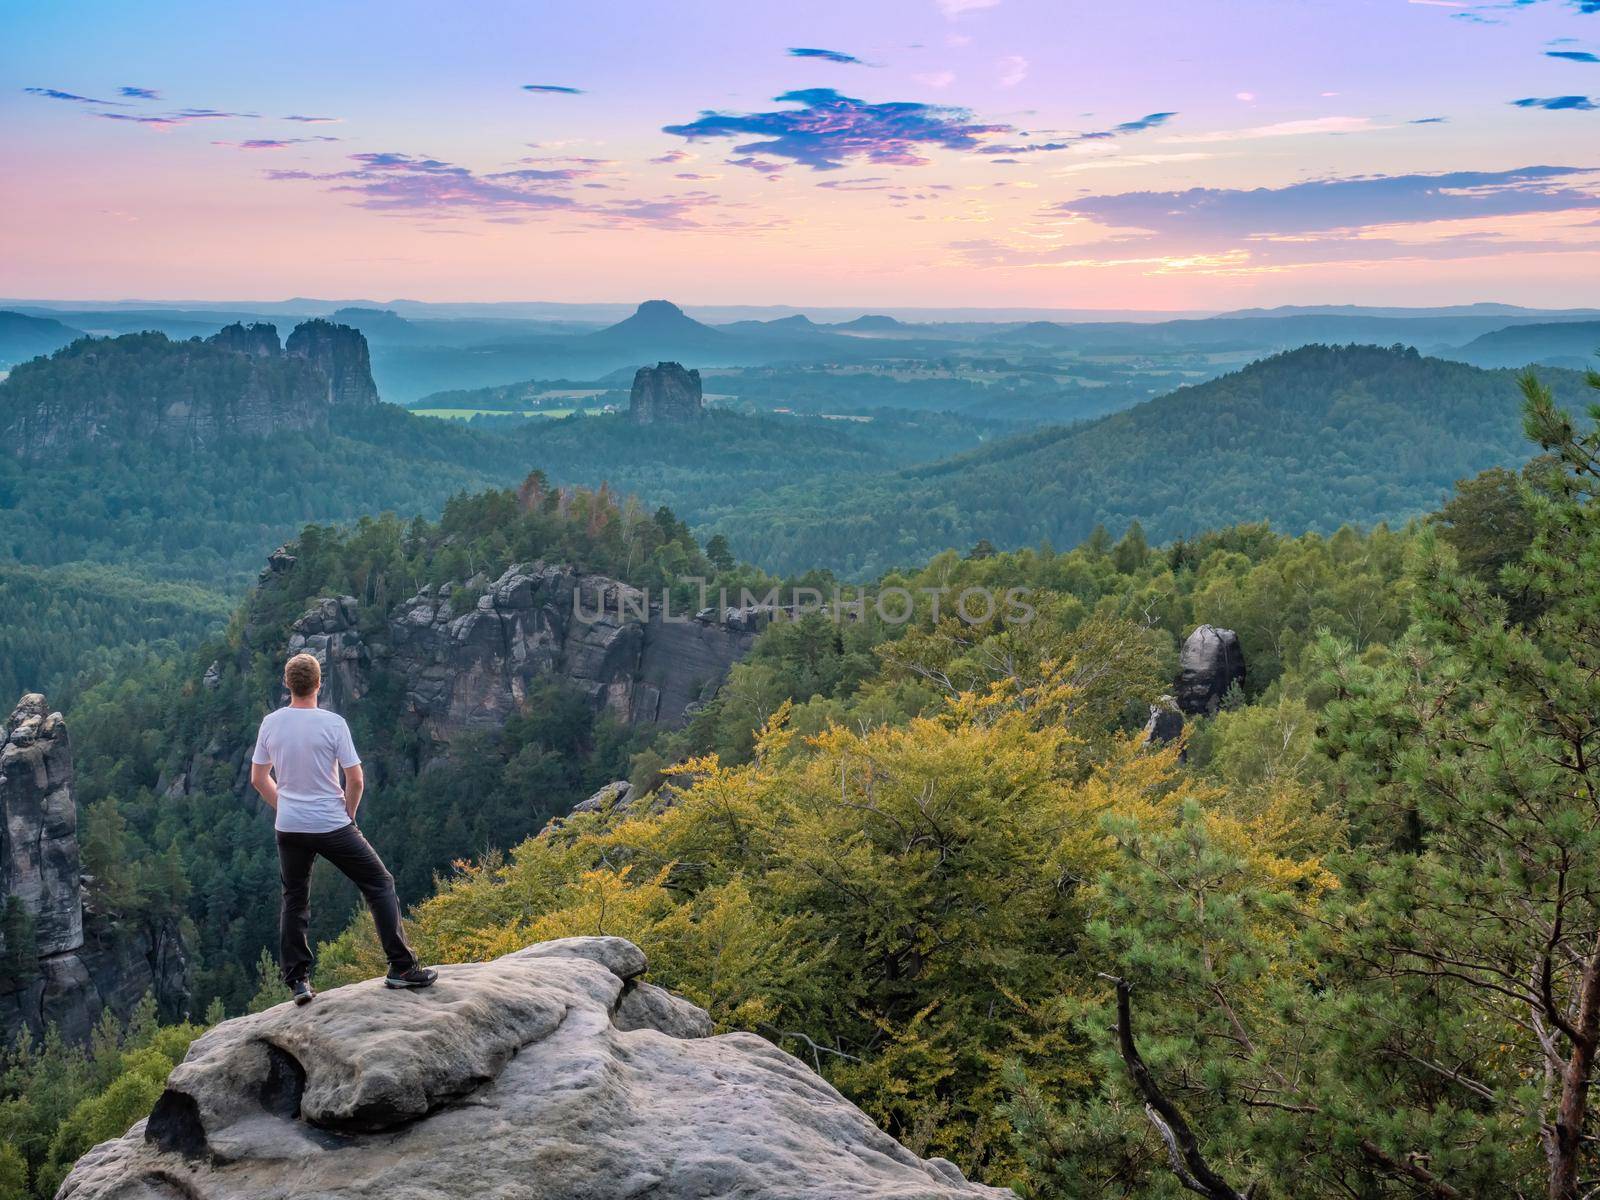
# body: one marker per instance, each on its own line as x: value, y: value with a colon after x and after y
x: 354, y: 783
x: 261, y: 779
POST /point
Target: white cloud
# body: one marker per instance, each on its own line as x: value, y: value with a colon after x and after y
x: 955, y: 8
x: 936, y: 79
x: 1316, y: 125
x: 1013, y: 70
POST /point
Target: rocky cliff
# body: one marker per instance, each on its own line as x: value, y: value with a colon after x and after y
x: 466, y: 661
x: 665, y: 392
x: 39, y: 839
x: 340, y: 352
x: 144, y: 388
x: 66, y: 964
x: 259, y: 338
x: 554, y: 1073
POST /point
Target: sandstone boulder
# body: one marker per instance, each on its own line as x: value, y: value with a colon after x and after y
x: 553, y: 1073
x: 1165, y: 723
x: 1210, y: 664
x: 614, y: 797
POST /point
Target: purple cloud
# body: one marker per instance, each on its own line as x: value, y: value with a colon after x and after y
x: 761, y: 166
x: 553, y: 88
x: 833, y: 56
x: 272, y: 143
x: 315, y: 120
x: 172, y: 120
x: 58, y: 94
x: 1558, y: 103
x: 828, y: 129
x: 138, y: 93
x: 865, y: 183
x: 1151, y: 121
x: 409, y: 184
x: 1212, y: 215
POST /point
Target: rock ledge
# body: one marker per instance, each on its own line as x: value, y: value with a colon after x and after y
x: 554, y: 1072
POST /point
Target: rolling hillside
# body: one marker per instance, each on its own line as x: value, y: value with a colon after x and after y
x: 1562, y: 344
x: 1311, y: 439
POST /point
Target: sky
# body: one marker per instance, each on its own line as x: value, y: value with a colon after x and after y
x: 1163, y: 155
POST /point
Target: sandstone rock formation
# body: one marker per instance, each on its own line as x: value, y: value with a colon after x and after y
x: 39, y: 839
x: 665, y: 392
x: 341, y: 353
x: 74, y: 963
x: 1210, y: 664
x: 259, y: 338
x: 468, y: 663
x: 1165, y: 723
x: 614, y: 797
x: 142, y: 387
x: 554, y: 1073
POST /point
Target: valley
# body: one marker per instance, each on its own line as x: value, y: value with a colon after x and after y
x: 539, y: 769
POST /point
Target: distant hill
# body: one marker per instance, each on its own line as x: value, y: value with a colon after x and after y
x: 1481, y: 309
x: 1310, y: 440
x: 23, y: 337
x: 799, y: 323
x: 1261, y: 334
x: 378, y: 324
x: 870, y: 323
x: 1562, y: 344
x: 659, y: 321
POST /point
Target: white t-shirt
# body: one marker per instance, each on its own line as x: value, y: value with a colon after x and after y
x: 306, y: 746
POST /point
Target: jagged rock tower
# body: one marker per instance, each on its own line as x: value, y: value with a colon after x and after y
x: 64, y: 964
x: 39, y: 835
x: 665, y: 392
x: 258, y: 338
x: 342, y: 354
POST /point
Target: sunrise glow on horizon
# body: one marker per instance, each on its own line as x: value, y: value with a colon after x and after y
x: 1162, y: 156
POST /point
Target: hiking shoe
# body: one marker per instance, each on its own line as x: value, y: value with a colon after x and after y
x: 416, y: 977
x: 302, y: 991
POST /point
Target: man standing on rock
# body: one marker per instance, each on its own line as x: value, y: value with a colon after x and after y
x: 299, y: 753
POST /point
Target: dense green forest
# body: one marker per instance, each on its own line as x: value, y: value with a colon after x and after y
x: 73, y: 624
x: 1311, y: 439
x: 205, y: 516
x: 1337, y: 941
x: 1345, y: 947
x: 1324, y: 950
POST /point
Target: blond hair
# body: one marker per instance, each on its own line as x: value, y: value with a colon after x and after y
x: 303, y: 675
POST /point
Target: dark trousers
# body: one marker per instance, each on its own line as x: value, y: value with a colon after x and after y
x: 346, y: 849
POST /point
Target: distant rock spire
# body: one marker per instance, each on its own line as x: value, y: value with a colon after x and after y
x: 665, y: 392
x: 342, y: 354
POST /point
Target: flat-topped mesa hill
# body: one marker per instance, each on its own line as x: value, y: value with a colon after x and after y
x: 144, y: 387
x: 553, y: 1073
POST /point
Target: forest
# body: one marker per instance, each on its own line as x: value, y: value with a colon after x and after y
x: 1335, y: 942
x: 1313, y: 438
